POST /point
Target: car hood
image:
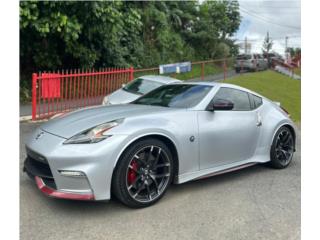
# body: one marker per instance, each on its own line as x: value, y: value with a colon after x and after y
x: 75, y: 122
x: 121, y: 96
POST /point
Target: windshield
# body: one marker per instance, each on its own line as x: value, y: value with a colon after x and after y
x: 244, y: 57
x: 175, y: 96
x: 141, y: 86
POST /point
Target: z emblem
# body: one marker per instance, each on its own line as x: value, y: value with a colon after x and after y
x: 39, y: 135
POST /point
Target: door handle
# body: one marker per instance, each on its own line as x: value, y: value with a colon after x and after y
x: 259, y: 120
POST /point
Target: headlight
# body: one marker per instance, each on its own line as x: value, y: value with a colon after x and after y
x: 94, y: 135
x: 106, y: 100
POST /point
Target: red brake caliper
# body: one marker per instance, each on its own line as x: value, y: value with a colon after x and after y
x: 131, y: 173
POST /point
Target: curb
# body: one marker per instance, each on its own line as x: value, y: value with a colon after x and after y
x: 25, y: 118
x: 29, y: 119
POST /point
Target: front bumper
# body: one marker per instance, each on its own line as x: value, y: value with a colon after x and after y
x: 60, y: 194
x: 40, y: 172
x: 95, y: 161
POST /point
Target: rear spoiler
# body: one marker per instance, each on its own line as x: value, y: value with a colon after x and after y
x: 278, y: 104
x: 283, y: 109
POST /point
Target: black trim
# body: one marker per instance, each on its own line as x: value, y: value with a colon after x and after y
x: 253, y: 103
x: 37, y: 168
x: 33, y: 167
x: 36, y: 156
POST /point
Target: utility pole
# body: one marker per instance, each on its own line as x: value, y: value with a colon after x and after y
x: 245, y: 45
x: 286, y: 49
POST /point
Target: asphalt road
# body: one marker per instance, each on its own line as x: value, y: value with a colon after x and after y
x: 253, y: 203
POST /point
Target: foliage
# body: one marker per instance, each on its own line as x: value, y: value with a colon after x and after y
x: 275, y: 86
x: 267, y: 44
x: 69, y: 34
x: 294, y: 51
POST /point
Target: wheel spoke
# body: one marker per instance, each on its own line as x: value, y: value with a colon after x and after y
x: 148, y: 159
x: 155, y: 182
x: 286, y: 154
x: 133, y: 169
x: 149, y: 192
x: 287, y: 141
x: 139, y: 159
x: 283, y: 153
x: 161, y: 175
x: 134, y: 182
x: 142, y: 186
x: 162, y: 165
x: 156, y: 159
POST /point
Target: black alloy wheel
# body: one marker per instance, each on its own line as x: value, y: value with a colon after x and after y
x: 144, y: 173
x: 282, y: 148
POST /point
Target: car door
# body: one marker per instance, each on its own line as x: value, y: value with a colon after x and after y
x: 228, y: 136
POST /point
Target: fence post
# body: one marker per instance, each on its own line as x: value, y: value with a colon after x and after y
x: 131, y: 73
x: 224, y: 69
x: 241, y: 69
x: 202, y: 71
x: 34, y: 96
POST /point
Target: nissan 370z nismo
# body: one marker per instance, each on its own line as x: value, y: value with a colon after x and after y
x: 176, y: 133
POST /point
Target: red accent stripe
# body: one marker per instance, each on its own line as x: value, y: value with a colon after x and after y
x: 227, y: 170
x: 57, y: 194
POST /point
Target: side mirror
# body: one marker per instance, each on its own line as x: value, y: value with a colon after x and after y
x: 220, y: 105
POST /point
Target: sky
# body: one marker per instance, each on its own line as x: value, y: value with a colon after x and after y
x: 280, y: 17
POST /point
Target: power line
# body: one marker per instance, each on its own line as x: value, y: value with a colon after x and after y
x: 265, y: 19
x: 272, y: 38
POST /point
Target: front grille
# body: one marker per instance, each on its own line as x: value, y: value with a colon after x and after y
x: 34, y: 167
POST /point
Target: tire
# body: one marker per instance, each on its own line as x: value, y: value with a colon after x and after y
x: 135, y: 181
x: 282, y: 148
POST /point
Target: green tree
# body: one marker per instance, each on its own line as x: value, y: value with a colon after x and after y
x: 267, y: 44
x: 67, y: 35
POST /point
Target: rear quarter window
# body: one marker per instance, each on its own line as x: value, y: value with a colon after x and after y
x: 256, y: 101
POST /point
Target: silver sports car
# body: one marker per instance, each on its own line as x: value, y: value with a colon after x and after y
x: 136, y: 88
x: 176, y: 133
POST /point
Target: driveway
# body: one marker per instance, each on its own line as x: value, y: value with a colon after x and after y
x: 253, y: 203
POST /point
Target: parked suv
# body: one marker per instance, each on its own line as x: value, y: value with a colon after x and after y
x: 250, y: 62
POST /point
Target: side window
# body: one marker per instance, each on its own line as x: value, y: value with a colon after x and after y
x: 239, y: 98
x: 257, y: 101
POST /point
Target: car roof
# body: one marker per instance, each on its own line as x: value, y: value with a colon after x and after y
x: 160, y: 79
x: 224, y: 85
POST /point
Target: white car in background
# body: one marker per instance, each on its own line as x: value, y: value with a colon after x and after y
x: 250, y: 62
x: 136, y: 88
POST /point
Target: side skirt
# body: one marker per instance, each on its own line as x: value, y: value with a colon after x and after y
x: 205, y: 173
x: 226, y: 170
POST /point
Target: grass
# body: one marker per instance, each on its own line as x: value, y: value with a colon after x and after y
x: 274, y: 86
x: 209, y: 69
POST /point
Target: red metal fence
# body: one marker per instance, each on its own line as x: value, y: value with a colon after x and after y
x: 55, y: 92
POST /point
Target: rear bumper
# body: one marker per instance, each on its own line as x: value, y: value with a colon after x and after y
x: 60, y: 194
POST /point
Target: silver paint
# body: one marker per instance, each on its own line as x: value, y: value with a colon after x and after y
x: 222, y: 139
